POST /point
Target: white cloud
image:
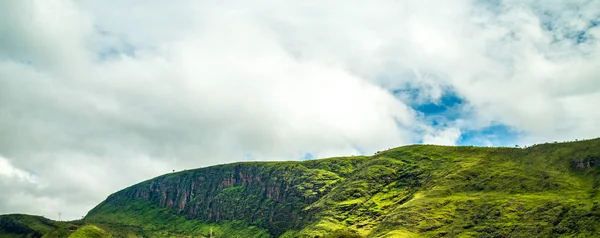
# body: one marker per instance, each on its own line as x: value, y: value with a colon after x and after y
x: 449, y: 136
x: 97, y: 95
x: 8, y: 171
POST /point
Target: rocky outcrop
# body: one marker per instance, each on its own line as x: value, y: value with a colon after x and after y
x: 544, y: 190
x: 586, y: 163
x: 267, y: 196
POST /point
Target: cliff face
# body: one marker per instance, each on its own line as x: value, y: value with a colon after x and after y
x: 543, y: 190
x: 269, y: 195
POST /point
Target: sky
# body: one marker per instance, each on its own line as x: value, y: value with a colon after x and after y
x: 98, y: 95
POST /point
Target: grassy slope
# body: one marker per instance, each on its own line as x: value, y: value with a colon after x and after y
x: 414, y: 191
x: 90, y: 231
x: 132, y: 226
x: 154, y: 221
x: 483, y: 192
x: 20, y: 225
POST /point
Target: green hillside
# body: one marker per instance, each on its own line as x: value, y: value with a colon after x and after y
x: 20, y: 225
x: 548, y: 190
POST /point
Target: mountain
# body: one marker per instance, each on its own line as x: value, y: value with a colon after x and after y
x: 547, y: 190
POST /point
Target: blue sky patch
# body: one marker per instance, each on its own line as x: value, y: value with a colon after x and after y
x: 496, y: 135
x: 448, y: 107
x: 448, y: 100
x: 451, y: 107
x: 307, y: 156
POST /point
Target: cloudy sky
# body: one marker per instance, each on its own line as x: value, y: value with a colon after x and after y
x: 98, y: 95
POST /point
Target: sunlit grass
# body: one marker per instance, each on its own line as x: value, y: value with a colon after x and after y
x: 413, y: 191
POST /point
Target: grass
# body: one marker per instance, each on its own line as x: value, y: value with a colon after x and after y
x: 90, y: 231
x: 548, y: 190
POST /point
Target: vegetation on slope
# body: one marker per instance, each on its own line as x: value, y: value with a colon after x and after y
x: 548, y: 190
x: 164, y: 224
x: 20, y: 225
x: 90, y: 231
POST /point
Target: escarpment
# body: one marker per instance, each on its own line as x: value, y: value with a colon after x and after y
x: 268, y: 195
x: 420, y: 190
